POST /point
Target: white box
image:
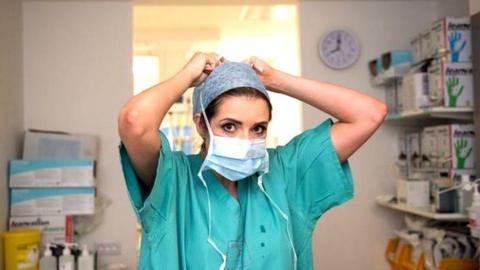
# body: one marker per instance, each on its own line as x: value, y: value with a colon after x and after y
x: 414, y: 151
x: 456, y: 146
x: 51, y: 173
x: 451, y: 84
x: 453, y: 36
x: 391, y: 99
x: 429, y: 145
x: 55, y: 229
x: 416, y: 47
x: 52, y: 201
x: 414, y: 193
x: 426, y: 50
x: 415, y: 92
x: 59, y: 145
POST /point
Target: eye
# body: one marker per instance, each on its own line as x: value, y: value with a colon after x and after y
x: 260, y: 129
x: 229, y: 127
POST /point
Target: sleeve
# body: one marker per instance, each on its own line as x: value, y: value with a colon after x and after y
x: 160, y: 196
x: 318, y: 181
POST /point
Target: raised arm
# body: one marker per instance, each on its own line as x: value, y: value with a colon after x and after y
x: 141, y: 116
x: 358, y: 115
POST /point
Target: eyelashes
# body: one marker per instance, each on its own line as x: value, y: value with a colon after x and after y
x: 231, y: 128
x: 260, y: 129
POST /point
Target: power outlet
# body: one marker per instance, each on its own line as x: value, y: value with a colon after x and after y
x: 108, y: 248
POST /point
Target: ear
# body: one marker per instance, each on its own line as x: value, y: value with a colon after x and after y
x: 201, y: 129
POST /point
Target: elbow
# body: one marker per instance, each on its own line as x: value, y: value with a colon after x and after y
x: 129, y: 124
x: 379, y: 111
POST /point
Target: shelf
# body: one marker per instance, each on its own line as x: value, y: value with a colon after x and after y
x: 419, y: 211
x: 438, y: 113
x: 390, y: 75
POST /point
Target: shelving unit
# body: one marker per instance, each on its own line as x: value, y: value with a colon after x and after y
x: 389, y: 76
x: 433, y: 114
x: 392, y: 204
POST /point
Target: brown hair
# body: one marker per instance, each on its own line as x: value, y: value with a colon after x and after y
x: 212, y: 108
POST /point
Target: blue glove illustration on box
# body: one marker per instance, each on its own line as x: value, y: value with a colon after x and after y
x: 454, y: 40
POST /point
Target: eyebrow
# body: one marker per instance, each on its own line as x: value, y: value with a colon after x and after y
x: 239, y: 123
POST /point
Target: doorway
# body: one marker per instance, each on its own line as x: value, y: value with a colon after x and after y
x: 166, y: 36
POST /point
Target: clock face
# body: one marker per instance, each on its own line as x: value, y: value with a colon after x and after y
x: 339, y: 49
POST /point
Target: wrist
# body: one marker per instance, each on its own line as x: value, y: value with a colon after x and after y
x: 187, y: 76
x: 278, y: 82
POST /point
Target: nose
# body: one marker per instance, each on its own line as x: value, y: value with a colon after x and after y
x: 245, y: 134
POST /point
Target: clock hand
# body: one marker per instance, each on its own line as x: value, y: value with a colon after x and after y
x: 334, y: 51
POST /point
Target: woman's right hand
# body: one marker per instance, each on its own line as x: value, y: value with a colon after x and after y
x: 200, y: 65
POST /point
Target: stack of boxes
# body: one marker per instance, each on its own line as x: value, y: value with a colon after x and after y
x: 435, y: 159
x: 440, y: 74
x: 53, y: 182
x: 450, y: 77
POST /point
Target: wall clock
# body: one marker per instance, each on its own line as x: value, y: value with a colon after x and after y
x: 339, y: 49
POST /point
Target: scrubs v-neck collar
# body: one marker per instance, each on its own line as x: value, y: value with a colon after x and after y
x: 218, y: 190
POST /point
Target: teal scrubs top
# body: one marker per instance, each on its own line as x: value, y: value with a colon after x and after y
x: 305, y: 179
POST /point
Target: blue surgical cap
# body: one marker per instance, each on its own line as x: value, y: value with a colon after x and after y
x: 223, y: 78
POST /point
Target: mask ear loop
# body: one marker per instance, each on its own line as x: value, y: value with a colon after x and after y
x: 209, y: 152
x: 283, y: 215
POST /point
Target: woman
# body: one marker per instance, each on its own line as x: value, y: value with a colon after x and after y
x: 237, y: 205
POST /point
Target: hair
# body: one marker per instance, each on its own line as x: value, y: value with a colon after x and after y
x: 250, y: 92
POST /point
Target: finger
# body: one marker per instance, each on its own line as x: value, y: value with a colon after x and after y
x: 217, y: 59
x: 211, y: 62
x: 249, y: 60
x: 224, y: 60
x: 258, y: 67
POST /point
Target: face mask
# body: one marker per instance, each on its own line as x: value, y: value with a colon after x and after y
x: 236, y: 159
x: 233, y: 158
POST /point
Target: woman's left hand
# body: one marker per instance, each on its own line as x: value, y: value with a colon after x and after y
x: 265, y: 72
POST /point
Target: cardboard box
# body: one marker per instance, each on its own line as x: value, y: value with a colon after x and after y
x: 379, y: 65
x: 453, y: 37
x: 415, y: 92
x: 55, y: 229
x: 396, y: 58
x: 426, y: 50
x: 392, y: 99
x: 429, y: 145
x: 414, y: 193
x: 416, y: 47
x: 52, y: 201
x: 51, y: 173
x: 414, y: 149
x: 59, y: 145
x: 456, y: 146
x: 451, y: 84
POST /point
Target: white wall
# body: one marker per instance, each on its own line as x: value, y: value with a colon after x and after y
x: 11, y: 109
x: 77, y: 75
x: 474, y: 6
x: 354, y: 236
x: 453, y: 8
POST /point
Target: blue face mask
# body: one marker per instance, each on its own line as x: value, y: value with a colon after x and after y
x: 236, y: 159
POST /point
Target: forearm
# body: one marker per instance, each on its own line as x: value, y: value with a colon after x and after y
x: 346, y: 105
